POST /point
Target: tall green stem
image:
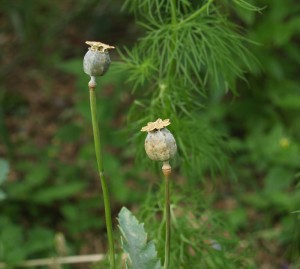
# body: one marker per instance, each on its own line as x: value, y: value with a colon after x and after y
x: 166, y: 169
x: 166, y: 166
x: 97, y: 143
x: 168, y: 222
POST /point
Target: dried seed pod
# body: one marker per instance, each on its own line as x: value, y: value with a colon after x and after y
x: 160, y: 144
x: 96, y: 61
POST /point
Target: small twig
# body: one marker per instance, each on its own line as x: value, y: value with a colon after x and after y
x: 59, y: 260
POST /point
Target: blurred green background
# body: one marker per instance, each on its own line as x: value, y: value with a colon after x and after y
x: 48, y: 180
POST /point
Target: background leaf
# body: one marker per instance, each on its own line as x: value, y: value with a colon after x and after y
x: 4, y: 168
x: 141, y: 254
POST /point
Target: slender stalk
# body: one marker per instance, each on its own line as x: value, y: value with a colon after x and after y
x: 172, y: 66
x: 97, y: 143
x: 167, y: 171
x: 197, y: 13
x: 174, y: 35
x: 168, y: 222
x: 173, y: 12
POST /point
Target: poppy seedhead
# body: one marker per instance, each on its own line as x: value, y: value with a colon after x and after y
x: 96, y: 61
x: 160, y: 144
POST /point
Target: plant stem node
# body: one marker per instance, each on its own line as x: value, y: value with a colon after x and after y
x: 92, y: 83
x: 166, y: 168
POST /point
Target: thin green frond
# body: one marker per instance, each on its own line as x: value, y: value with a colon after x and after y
x: 246, y: 5
x: 140, y: 69
x: 198, y: 234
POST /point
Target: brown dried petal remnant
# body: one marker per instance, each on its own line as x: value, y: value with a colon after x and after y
x: 98, y: 46
x: 157, y: 125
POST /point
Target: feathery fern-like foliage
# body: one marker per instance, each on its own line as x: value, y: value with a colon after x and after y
x: 190, y: 52
x: 199, y: 238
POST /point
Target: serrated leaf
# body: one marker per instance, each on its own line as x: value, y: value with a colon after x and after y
x: 140, y: 253
x: 4, y: 168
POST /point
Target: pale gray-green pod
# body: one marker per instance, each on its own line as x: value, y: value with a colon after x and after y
x: 96, y: 63
x: 160, y: 145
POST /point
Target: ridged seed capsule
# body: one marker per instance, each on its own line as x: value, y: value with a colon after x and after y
x: 160, y: 144
x: 96, y: 61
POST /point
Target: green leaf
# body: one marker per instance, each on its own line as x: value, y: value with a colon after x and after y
x: 278, y: 179
x: 140, y: 253
x: 39, y: 240
x: 2, y: 195
x: 4, y: 168
x: 69, y: 132
x: 11, y: 236
x: 58, y: 192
